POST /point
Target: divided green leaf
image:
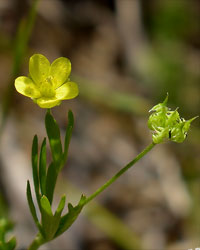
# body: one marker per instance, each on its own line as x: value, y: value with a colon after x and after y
x: 42, y: 167
x: 51, y: 181
x: 51, y: 222
x: 35, y: 167
x: 30, y: 202
x: 57, y: 215
x: 53, y: 133
x: 61, y: 205
x: 68, y: 219
x: 47, y: 218
x: 68, y: 134
x: 32, y: 207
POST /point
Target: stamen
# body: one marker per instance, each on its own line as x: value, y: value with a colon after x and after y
x: 46, y: 88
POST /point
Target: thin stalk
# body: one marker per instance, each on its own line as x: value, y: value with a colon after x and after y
x: 39, y: 240
x: 116, y: 176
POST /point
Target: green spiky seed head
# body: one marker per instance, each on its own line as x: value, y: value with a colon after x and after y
x: 167, y: 125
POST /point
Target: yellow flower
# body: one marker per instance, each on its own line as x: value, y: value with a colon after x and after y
x: 48, y: 84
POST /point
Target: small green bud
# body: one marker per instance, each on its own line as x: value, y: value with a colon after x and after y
x: 167, y: 125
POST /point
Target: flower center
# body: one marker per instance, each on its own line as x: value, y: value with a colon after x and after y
x: 46, y: 88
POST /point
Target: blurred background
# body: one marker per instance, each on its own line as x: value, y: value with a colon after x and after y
x: 126, y: 55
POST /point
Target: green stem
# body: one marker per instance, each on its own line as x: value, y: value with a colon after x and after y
x: 116, y: 176
x: 49, y: 111
x: 37, y: 242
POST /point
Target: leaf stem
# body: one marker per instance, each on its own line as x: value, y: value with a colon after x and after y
x: 116, y: 176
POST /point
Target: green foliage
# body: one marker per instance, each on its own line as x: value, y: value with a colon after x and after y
x: 47, y: 218
x: 44, y: 180
x: 53, y: 133
x: 35, y: 168
x: 68, y: 219
x: 68, y: 134
x: 51, y: 181
x: 42, y: 167
x: 59, y: 157
x: 30, y: 202
x: 32, y: 207
x: 5, y: 227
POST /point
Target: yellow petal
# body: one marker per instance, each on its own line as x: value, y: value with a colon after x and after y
x: 47, y: 103
x: 25, y: 86
x: 68, y: 90
x: 60, y: 70
x: 39, y: 68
